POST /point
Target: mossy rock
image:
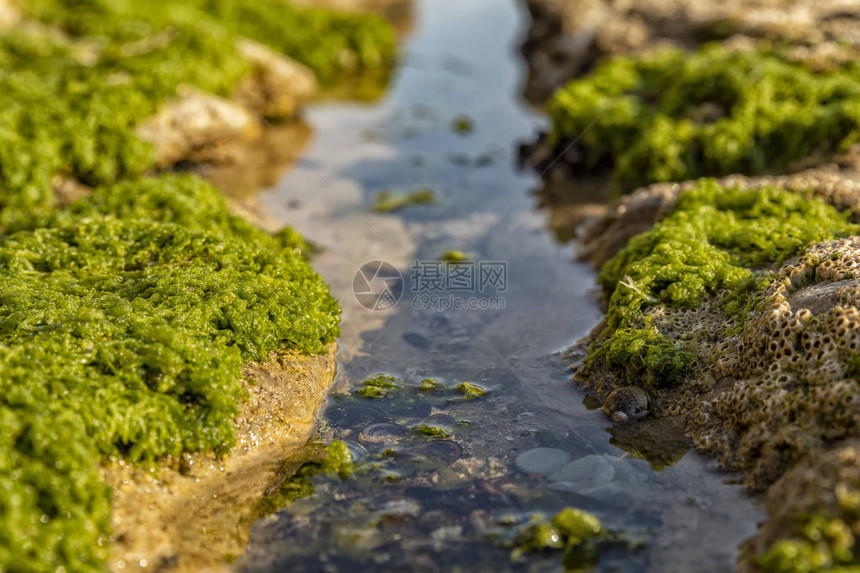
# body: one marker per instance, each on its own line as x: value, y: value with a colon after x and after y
x: 672, y: 115
x: 125, y: 322
x: 715, y: 242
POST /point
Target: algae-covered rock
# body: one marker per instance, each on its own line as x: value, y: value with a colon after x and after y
x: 647, y: 118
x: 814, y: 516
x: 78, y: 84
x: 707, y: 247
x: 770, y: 387
x: 125, y: 332
x: 612, y: 229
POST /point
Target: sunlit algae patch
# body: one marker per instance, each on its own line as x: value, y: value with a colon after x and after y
x: 712, y: 243
x: 71, y: 95
x: 672, y: 115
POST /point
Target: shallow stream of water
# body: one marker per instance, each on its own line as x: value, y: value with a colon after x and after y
x: 422, y: 504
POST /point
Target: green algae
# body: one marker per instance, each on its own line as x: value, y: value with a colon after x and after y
x: 380, y: 386
x: 430, y: 431
x: 823, y: 545
x: 125, y: 318
x: 125, y: 322
x: 573, y: 530
x: 327, y: 41
x: 454, y: 256
x: 428, y: 385
x: 673, y: 115
x: 470, y: 391
x: 387, y: 201
x: 72, y: 95
x: 462, y: 125
x: 715, y: 241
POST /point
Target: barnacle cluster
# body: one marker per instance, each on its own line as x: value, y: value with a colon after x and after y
x: 795, y: 362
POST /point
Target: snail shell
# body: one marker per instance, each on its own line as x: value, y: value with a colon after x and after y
x: 626, y: 404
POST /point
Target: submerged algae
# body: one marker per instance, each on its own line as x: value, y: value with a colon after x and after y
x: 297, y: 475
x: 573, y: 530
x: 826, y: 545
x: 713, y: 242
x: 430, y: 431
x: 672, y: 116
x: 470, y: 390
x: 377, y: 387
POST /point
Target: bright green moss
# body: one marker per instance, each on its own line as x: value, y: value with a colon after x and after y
x: 823, y: 545
x: 180, y: 199
x: 713, y: 242
x: 124, y: 324
x: 70, y: 104
x: 326, y: 41
x: 470, y: 391
x: 673, y: 115
x: 55, y: 508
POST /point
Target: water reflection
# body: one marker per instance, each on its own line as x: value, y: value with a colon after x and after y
x: 419, y: 503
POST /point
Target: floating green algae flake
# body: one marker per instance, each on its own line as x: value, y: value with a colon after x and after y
x: 713, y: 242
x: 673, y: 115
x: 380, y: 386
x: 387, y: 201
x: 470, y: 390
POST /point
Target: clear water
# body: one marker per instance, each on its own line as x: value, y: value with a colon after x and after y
x: 431, y: 505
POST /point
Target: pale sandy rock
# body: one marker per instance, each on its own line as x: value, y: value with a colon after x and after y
x: 276, y: 86
x: 197, y: 127
x: 9, y: 14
